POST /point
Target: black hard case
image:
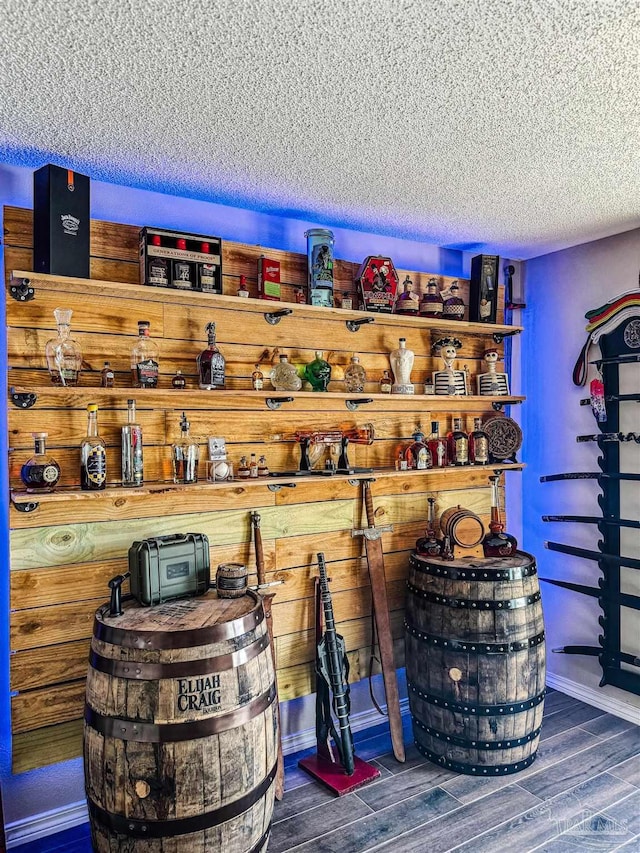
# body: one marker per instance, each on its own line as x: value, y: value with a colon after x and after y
x: 484, y: 286
x: 164, y: 568
x: 61, y: 226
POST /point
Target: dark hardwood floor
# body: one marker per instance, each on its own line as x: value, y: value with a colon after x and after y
x: 581, y: 794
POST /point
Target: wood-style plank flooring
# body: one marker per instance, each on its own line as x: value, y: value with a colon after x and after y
x: 581, y: 794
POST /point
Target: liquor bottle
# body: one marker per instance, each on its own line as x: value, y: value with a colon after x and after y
x: 300, y: 297
x: 93, y: 454
x: 211, y: 363
x: 407, y: 302
x: 157, y: 267
x: 437, y: 447
x: 253, y: 466
x: 107, y: 376
x: 178, y: 381
x: 431, y: 303
x: 458, y: 442
x: 257, y: 379
x: 183, y: 272
x: 355, y: 376
x: 132, y: 449
x: 428, y: 545
x: 41, y: 472
x: 497, y: 543
x: 207, y: 273
x: 144, y: 358
x: 243, y: 469
x: 386, y: 381
x: 318, y: 373
x: 242, y: 288
x: 347, y: 300
x: 401, y: 363
x: 185, y: 454
x: 284, y: 376
x: 263, y: 468
x: 417, y: 454
x: 64, y: 357
x: 478, y: 444
x: 453, y: 306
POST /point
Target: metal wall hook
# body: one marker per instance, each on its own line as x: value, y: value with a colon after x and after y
x: 22, y: 290
x: 498, y: 405
x: 22, y: 400
x: 28, y: 506
x: 352, y: 405
x: 498, y: 337
x: 274, y: 403
x: 275, y: 487
x: 274, y: 317
x: 354, y: 325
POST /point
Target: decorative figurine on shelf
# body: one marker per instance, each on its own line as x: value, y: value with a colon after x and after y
x: 452, y: 303
x: 355, y: 376
x: 320, y: 266
x: 407, y: 302
x: 491, y: 383
x: 318, y: 373
x: 431, y: 302
x: 449, y: 381
x: 378, y: 282
x: 401, y: 363
x: 284, y: 376
x: 417, y: 454
x: 64, y: 357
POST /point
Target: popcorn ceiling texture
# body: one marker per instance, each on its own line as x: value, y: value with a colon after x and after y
x: 500, y: 125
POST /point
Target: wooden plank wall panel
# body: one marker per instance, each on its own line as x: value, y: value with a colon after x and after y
x: 63, y: 554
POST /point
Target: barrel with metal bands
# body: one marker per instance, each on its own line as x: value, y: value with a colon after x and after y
x: 462, y: 526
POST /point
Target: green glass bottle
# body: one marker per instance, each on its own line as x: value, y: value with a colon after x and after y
x: 318, y: 373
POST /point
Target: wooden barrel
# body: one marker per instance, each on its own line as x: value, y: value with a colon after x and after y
x: 180, y: 736
x: 475, y: 662
x: 462, y: 526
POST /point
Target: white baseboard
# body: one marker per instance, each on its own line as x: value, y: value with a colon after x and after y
x: 595, y: 697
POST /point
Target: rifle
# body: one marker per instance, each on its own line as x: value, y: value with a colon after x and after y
x: 628, y: 562
x: 593, y: 519
x: 624, y: 599
x: 590, y: 475
x: 597, y: 651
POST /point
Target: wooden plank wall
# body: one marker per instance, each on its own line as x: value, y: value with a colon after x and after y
x: 63, y: 554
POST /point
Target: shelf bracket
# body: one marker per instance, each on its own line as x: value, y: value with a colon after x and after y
x: 29, y: 506
x: 22, y: 400
x: 498, y: 337
x: 274, y: 403
x: 274, y: 317
x: 275, y: 487
x: 352, y: 405
x: 354, y: 325
x: 498, y: 406
x: 21, y: 289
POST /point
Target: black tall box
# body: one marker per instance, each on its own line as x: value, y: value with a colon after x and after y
x: 483, y: 289
x: 60, y: 222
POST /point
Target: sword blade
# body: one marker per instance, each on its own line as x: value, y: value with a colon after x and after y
x: 590, y: 475
x: 594, y: 519
x: 629, y: 562
x: 623, y: 598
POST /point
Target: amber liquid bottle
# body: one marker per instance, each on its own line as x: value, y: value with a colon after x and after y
x: 211, y: 363
x: 478, y: 444
x: 497, y: 543
x: 458, y: 442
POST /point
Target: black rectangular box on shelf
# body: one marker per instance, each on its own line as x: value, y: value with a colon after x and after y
x: 181, y: 260
x: 61, y: 226
x: 483, y: 289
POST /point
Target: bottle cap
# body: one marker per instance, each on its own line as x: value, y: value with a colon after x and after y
x: 435, y: 426
x: 92, y: 407
x: 131, y: 402
x: 205, y: 248
x: 155, y: 240
x: 184, y: 423
x: 181, y: 243
x: 144, y: 323
x: 40, y: 434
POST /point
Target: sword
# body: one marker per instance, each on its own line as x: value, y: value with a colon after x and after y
x: 596, y: 651
x: 618, y: 359
x: 623, y: 598
x: 594, y: 519
x: 591, y: 475
x: 628, y: 562
x: 613, y: 398
x: 375, y: 560
x: 611, y: 436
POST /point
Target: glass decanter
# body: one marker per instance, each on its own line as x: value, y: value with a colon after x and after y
x: 401, y: 363
x: 186, y: 453
x: 318, y: 373
x: 429, y: 545
x: 64, y: 357
x: 41, y: 472
x: 417, y: 454
x: 355, y: 376
x: 284, y: 376
x: 145, y: 358
x: 211, y: 363
x: 497, y: 543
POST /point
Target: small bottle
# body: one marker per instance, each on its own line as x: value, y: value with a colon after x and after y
x: 284, y: 376
x: 132, y: 449
x: 428, y: 545
x: 355, y: 376
x: 257, y: 379
x: 242, y: 289
x: 243, y: 469
x: 318, y: 373
x: 157, y: 266
x: 253, y: 466
x: 478, y: 444
x: 386, y: 382
x: 300, y: 298
x: 431, y: 303
x: 407, y: 302
x: 185, y: 456
x: 347, y: 300
x: 437, y: 447
x: 183, y: 272
x: 417, y: 454
x: 41, y: 472
x: 458, y: 442
x: 211, y: 363
x: 178, y: 381
x: 64, y: 357
x: 107, y: 376
x: 93, y: 454
x: 453, y: 306
x: 144, y: 358
x: 263, y: 468
x: 497, y: 543
x: 208, y: 273
x: 446, y: 552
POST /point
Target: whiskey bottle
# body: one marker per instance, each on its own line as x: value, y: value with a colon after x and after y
x: 41, y: 472
x: 178, y: 381
x: 107, y: 376
x: 284, y: 376
x: 93, y: 454
x: 428, y: 545
x: 497, y: 543
x: 243, y: 469
x: 318, y: 373
x: 347, y: 301
x: 185, y: 454
x: 478, y: 444
x: 355, y: 376
x: 407, y: 302
x: 207, y: 273
x: 263, y: 468
x: 417, y: 454
x: 157, y: 267
x: 431, y: 303
x: 437, y: 447
x: 257, y: 379
x: 132, y: 449
x: 211, y: 363
x: 144, y: 358
x: 386, y: 381
x: 242, y: 289
x: 453, y: 306
x: 183, y: 273
x: 253, y: 466
x: 64, y: 357
x: 458, y: 442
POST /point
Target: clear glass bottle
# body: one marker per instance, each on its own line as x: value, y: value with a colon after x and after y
x: 257, y: 379
x: 497, y: 543
x: 417, y: 454
x: 145, y: 358
x: 458, y: 442
x: 437, y: 447
x: 431, y: 302
x: 355, y: 376
x: 186, y: 454
x: 243, y: 469
x: 178, y: 381
x: 253, y: 466
x: 407, y: 301
x: 453, y: 306
x: 131, y: 443
x: 386, y: 381
x: 284, y: 376
x: 64, y: 357
x: 93, y: 455
x: 401, y: 363
x: 478, y: 444
x: 428, y: 545
x: 107, y: 376
x: 211, y: 363
x: 318, y: 373
x: 41, y: 472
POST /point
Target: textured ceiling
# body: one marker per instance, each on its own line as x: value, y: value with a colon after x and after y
x: 504, y: 125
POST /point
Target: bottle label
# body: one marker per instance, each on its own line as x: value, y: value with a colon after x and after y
x: 208, y: 278
x: 258, y: 384
x: 50, y: 474
x: 480, y: 450
x: 158, y: 272
x: 147, y: 373
x: 422, y: 461
x: 461, y: 450
x: 96, y: 466
x: 182, y: 275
